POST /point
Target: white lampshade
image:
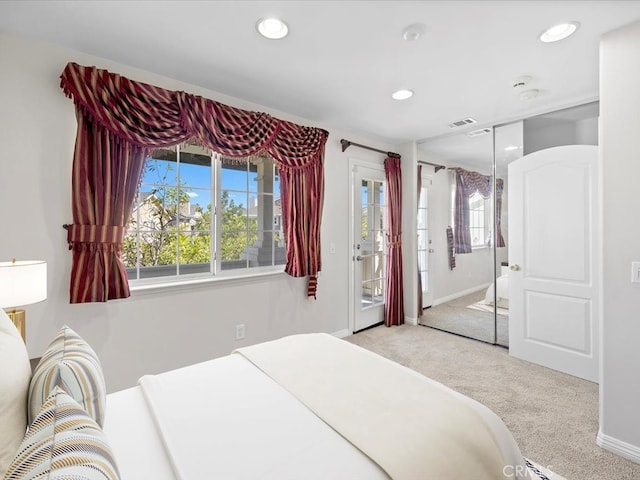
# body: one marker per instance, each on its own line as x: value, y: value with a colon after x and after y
x: 22, y: 283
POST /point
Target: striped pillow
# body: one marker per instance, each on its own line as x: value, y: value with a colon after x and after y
x: 70, y: 363
x: 63, y: 443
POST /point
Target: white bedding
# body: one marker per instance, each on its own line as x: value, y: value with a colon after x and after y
x: 374, y: 402
x: 246, y: 427
x: 226, y: 419
x: 502, y: 299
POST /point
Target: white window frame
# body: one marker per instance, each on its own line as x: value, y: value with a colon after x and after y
x: 216, y: 274
x: 484, y: 229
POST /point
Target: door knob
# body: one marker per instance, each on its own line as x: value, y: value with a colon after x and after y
x: 359, y: 258
x: 515, y: 267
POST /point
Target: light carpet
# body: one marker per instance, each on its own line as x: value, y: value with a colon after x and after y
x: 553, y: 416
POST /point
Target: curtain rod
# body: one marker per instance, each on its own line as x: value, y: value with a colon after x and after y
x: 437, y: 167
x: 346, y: 144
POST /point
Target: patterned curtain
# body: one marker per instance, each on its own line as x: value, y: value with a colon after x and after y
x: 499, y: 190
x: 420, y: 312
x: 120, y: 120
x: 394, y: 306
x: 101, y: 209
x: 461, y: 233
x: 467, y: 183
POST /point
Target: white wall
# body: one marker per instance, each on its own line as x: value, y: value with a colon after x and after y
x: 151, y: 332
x: 620, y: 163
x: 541, y: 133
x: 409, y: 168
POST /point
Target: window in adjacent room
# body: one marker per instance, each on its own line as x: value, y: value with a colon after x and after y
x: 199, y: 214
x: 478, y: 220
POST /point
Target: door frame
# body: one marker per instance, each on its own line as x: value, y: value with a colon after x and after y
x: 354, y: 163
x: 427, y: 176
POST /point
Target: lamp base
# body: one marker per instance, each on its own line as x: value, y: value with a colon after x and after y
x: 19, y: 319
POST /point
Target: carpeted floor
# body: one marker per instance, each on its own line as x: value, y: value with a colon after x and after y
x: 454, y: 316
x: 553, y: 416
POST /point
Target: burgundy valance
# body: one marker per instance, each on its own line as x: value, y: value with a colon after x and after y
x: 152, y: 117
x: 121, y: 120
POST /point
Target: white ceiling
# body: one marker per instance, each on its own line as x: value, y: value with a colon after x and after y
x: 343, y: 59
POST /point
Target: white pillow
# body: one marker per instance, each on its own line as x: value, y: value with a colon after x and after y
x: 15, y: 374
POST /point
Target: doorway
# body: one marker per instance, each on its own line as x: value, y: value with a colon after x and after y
x: 424, y: 240
x: 368, y: 230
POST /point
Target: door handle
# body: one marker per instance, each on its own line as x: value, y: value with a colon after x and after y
x: 515, y: 267
x: 359, y: 258
x: 431, y: 250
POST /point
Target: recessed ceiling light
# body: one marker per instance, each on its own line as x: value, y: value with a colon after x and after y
x: 402, y: 94
x: 559, y: 32
x: 272, y: 28
x: 510, y: 148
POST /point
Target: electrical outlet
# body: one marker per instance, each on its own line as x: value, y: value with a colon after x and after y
x: 240, y: 331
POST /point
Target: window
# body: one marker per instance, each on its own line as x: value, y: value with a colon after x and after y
x: 477, y: 220
x: 198, y: 213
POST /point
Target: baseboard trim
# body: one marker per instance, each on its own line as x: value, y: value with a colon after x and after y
x: 613, y: 445
x: 341, y: 333
x: 411, y: 321
x: 453, y: 296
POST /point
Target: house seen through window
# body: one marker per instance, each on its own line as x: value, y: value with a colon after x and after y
x: 198, y: 213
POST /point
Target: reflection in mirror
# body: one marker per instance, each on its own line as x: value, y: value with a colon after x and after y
x: 460, y: 228
x: 509, y: 144
x: 462, y: 218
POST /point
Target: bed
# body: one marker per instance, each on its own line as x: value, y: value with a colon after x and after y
x: 305, y: 406
x: 502, y: 283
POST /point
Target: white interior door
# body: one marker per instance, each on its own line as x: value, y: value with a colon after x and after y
x: 369, y: 230
x: 553, y: 255
x: 424, y: 242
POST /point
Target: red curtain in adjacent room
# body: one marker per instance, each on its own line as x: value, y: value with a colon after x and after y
x: 120, y: 120
x: 394, y: 306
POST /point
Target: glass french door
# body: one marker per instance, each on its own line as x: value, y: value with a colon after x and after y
x: 424, y: 243
x: 369, y: 224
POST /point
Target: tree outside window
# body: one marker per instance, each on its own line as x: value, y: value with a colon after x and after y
x: 174, y: 229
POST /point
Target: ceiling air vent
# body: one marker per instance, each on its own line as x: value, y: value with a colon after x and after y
x: 462, y: 123
x: 481, y: 131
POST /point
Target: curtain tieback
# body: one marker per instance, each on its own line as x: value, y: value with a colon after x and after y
x: 109, y: 234
x: 394, y: 240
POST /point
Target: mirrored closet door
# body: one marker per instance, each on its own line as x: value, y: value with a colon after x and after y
x: 465, y: 259
x: 463, y: 235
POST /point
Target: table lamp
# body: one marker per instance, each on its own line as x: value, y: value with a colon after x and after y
x: 22, y: 283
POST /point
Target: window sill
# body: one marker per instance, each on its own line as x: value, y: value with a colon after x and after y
x: 185, y: 284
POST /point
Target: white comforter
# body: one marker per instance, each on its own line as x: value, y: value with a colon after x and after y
x: 227, y: 419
